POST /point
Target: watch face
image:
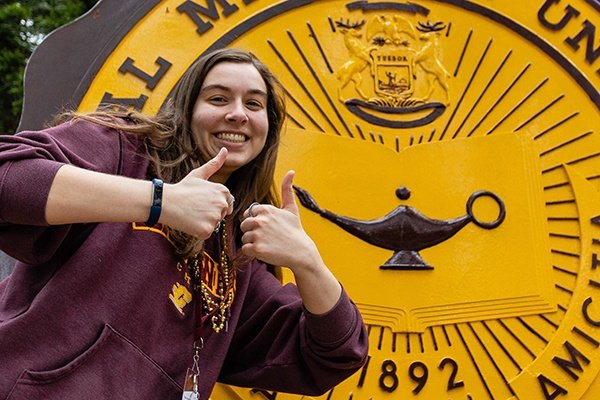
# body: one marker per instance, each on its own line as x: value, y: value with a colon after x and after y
x: 448, y: 165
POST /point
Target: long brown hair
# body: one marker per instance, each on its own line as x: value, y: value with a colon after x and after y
x: 174, y: 150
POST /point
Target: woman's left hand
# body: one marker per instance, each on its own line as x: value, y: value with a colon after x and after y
x: 275, y: 235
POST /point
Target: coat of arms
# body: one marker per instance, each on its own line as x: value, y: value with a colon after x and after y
x: 404, y: 64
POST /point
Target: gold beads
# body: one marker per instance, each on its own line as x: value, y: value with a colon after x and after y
x: 217, y: 307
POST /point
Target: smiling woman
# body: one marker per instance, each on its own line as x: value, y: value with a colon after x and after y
x: 193, y: 278
x: 231, y: 112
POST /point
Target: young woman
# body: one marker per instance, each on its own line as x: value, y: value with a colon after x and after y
x: 144, y: 246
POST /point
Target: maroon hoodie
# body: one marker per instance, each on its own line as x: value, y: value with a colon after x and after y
x: 97, y: 310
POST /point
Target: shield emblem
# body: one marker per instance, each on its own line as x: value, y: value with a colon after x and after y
x: 393, y: 72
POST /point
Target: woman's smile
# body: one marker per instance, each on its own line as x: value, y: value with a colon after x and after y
x: 231, y: 137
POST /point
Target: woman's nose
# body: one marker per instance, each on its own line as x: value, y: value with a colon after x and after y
x: 237, y: 113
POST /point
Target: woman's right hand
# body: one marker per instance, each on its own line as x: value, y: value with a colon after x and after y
x: 196, y: 205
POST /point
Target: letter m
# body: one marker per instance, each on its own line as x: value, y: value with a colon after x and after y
x: 194, y: 10
x: 573, y: 364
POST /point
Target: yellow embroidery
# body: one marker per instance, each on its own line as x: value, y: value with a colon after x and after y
x: 180, y: 297
x: 211, y: 273
x: 159, y: 228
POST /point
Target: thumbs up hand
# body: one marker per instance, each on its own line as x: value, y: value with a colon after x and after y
x: 275, y: 235
x: 195, y: 205
x: 288, y: 201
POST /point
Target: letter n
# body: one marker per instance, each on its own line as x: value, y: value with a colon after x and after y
x: 588, y: 32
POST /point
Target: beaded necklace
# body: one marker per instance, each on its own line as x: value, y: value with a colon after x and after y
x: 218, y: 311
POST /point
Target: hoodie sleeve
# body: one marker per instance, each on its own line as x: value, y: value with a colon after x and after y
x: 276, y: 336
x: 29, y: 162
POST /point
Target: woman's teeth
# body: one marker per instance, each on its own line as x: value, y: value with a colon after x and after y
x: 232, y: 137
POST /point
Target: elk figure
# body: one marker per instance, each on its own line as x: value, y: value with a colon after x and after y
x: 428, y: 58
x: 359, y: 57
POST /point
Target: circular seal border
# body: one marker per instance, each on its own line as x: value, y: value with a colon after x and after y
x: 68, y: 85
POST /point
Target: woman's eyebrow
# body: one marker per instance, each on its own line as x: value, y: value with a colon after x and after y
x: 217, y: 86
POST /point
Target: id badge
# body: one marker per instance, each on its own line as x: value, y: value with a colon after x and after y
x: 190, y: 387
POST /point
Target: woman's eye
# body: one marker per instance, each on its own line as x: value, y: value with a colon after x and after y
x: 218, y: 99
x: 254, y: 104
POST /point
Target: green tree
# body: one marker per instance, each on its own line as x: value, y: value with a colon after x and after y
x: 23, y: 25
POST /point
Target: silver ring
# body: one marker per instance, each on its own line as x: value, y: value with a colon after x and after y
x: 250, y: 209
x: 218, y: 226
x: 231, y: 200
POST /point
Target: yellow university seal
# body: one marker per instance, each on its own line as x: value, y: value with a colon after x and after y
x: 448, y: 166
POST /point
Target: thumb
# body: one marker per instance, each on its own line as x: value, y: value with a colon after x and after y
x: 288, y: 201
x: 211, y: 166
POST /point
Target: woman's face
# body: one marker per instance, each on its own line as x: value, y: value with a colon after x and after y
x: 231, y: 112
